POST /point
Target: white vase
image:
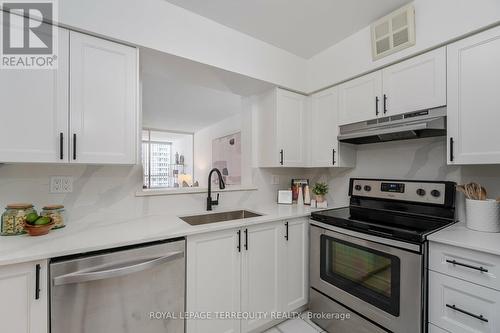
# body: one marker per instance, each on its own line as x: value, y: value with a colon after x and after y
x: 482, y: 215
x: 307, y: 195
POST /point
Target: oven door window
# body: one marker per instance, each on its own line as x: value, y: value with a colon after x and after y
x: 368, y: 274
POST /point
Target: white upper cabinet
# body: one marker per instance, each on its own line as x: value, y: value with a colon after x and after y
x: 24, y: 301
x: 474, y: 99
x: 415, y: 84
x: 326, y: 151
x: 360, y: 99
x: 103, y: 104
x: 282, y: 129
x: 34, y: 115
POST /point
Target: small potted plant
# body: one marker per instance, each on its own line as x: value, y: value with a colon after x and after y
x: 320, y: 190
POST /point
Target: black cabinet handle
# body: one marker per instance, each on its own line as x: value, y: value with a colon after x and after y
x: 333, y: 157
x: 74, y: 146
x: 480, y: 268
x: 451, y: 149
x: 479, y: 317
x: 246, y: 239
x: 376, y: 105
x: 37, y: 281
x: 281, y: 156
x: 239, y: 241
x: 61, y: 146
x: 385, y: 103
x: 286, y: 232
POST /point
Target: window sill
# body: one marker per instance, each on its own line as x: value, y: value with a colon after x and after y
x: 191, y: 190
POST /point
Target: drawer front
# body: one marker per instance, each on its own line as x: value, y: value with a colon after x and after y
x: 435, y: 329
x: 462, y: 307
x: 474, y: 266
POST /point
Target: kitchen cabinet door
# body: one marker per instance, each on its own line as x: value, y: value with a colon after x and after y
x: 34, y: 116
x: 473, y: 111
x: 103, y: 103
x: 290, y: 122
x: 297, y: 264
x: 262, y: 272
x: 23, y: 309
x: 416, y: 84
x: 360, y: 99
x: 213, y: 277
x: 326, y: 151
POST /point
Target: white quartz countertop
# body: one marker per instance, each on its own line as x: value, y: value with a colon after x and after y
x: 95, y: 234
x: 459, y: 235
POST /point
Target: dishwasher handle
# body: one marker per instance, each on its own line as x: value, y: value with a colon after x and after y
x: 80, y: 277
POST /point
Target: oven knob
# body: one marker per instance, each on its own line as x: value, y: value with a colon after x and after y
x: 421, y: 192
x: 357, y: 187
x: 368, y: 188
x: 435, y: 193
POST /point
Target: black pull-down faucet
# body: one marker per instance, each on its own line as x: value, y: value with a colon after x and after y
x: 222, y: 186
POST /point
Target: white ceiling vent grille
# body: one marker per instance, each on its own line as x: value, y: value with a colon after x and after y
x: 393, y: 32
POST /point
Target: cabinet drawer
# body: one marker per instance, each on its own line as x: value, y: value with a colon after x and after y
x: 462, y: 307
x: 474, y: 266
x: 435, y: 329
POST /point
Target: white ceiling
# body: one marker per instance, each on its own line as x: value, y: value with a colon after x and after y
x: 302, y: 27
x: 183, y: 95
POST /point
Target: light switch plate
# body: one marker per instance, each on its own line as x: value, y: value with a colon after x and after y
x: 61, y: 184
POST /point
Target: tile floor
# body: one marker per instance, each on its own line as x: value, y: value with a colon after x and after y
x: 297, y: 325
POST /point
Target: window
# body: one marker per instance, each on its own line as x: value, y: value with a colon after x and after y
x: 167, y: 159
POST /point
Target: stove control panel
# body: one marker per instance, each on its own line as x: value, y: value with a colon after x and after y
x: 421, y: 192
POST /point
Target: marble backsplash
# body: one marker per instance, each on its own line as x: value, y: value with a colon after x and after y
x: 109, y: 191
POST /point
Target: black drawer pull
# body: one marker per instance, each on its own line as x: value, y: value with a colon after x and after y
x: 479, y: 317
x: 61, y: 146
x: 281, y: 156
x: 333, y: 157
x: 385, y: 104
x: 286, y: 233
x: 239, y: 241
x: 246, y: 239
x: 37, y: 281
x: 451, y: 149
x: 454, y: 262
x: 74, y: 146
x: 376, y: 105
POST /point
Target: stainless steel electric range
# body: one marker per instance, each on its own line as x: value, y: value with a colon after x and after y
x: 368, y: 260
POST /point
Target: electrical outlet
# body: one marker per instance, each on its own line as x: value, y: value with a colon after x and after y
x: 61, y: 184
x: 275, y: 180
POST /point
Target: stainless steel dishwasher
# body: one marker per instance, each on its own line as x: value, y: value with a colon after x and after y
x: 139, y: 289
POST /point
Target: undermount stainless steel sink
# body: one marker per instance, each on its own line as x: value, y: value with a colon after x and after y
x: 219, y: 217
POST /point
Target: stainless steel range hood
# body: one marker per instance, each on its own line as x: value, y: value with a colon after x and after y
x: 414, y: 125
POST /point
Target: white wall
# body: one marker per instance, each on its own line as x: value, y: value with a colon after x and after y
x: 161, y: 26
x: 203, y: 147
x: 437, y: 21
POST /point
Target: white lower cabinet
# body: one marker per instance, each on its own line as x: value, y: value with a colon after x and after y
x: 24, y: 298
x: 262, y: 272
x: 297, y: 264
x: 213, y: 279
x: 460, y: 306
x: 256, y: 270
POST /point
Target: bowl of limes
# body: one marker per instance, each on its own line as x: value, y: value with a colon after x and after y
x: 37, y: 225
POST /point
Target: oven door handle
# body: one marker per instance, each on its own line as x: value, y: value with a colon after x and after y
x: 80, y: 277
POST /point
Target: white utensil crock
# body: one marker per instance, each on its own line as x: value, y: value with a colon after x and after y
x: 482, y: 215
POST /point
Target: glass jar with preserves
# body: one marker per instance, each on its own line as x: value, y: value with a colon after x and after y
x: 56, y: 213
x: 14, y: 217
